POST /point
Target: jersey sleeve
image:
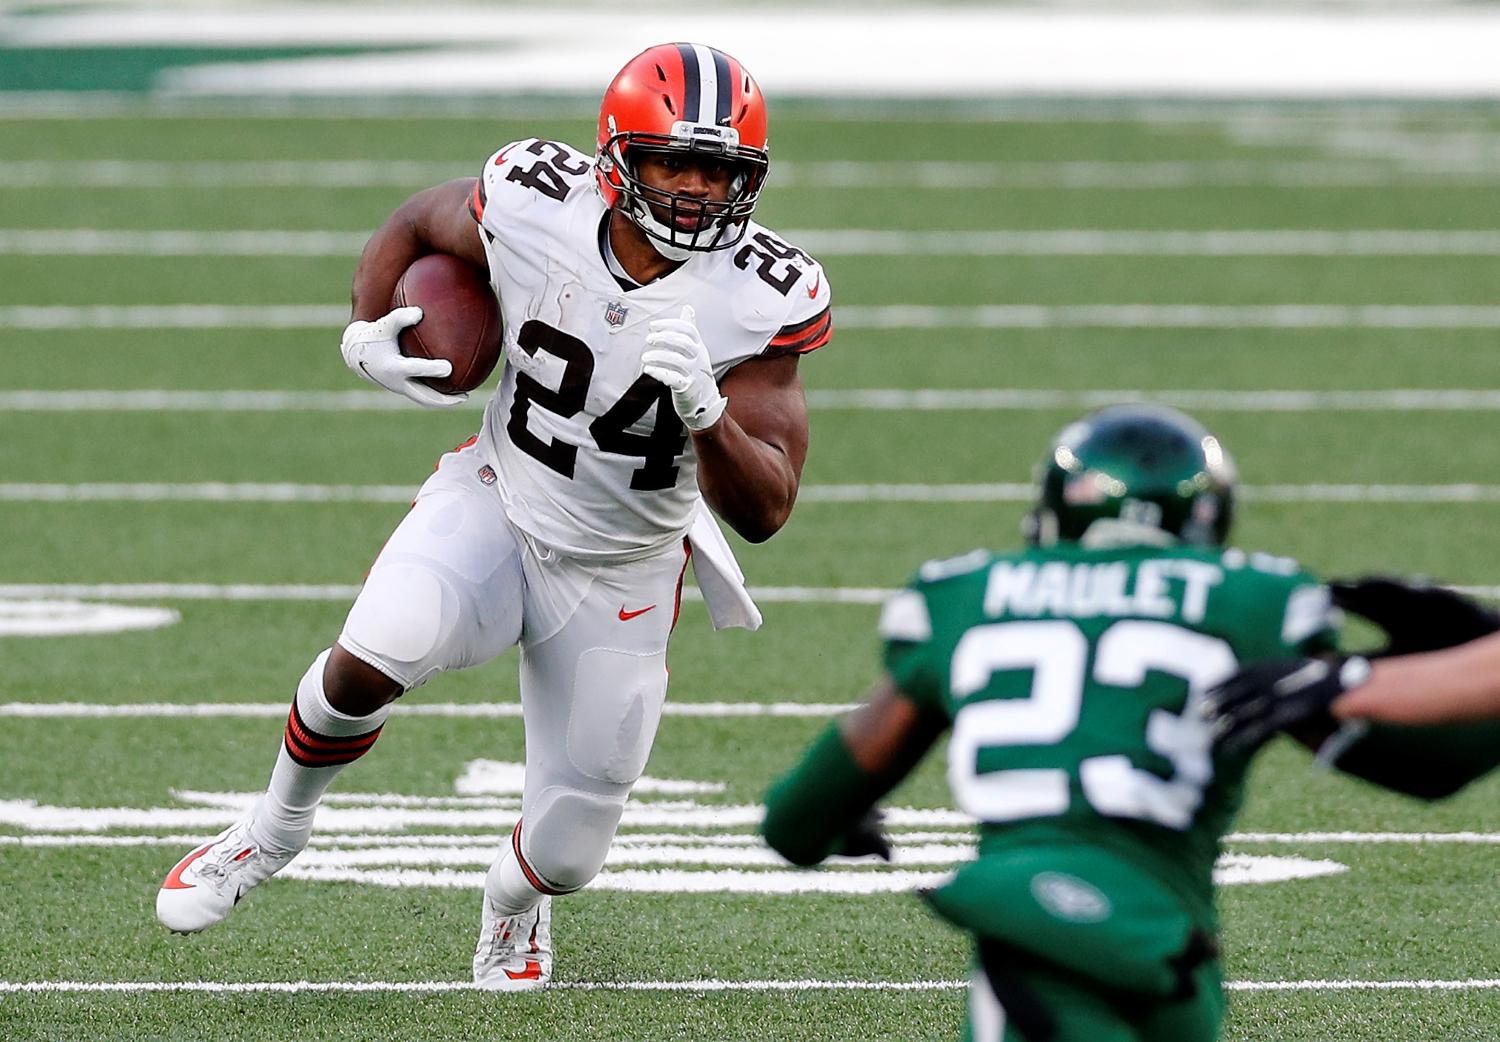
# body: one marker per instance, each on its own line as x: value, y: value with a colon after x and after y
x: 525, y: 173
x: 910, y: 656
x: 809, y: 322
x: 1285, y: 610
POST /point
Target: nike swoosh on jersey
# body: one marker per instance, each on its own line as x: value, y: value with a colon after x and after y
x: 626, y: 616
x: 812, y: 291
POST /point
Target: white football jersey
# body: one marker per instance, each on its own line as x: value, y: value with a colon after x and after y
x: 593, y: 459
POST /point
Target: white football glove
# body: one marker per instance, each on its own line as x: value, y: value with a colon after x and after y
x: 676, y: 357
x: 370, y: 349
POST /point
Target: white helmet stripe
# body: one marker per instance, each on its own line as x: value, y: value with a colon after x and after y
x: 708, y: 89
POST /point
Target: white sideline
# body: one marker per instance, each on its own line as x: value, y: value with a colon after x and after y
x: 1169, y: 316
x: 834, y: 174
x: 897, y: 316
x: 850, y: 242
x: 461, y: 710
x: 1002, y: 492
x: 877, y: 399
x: 438, y: 987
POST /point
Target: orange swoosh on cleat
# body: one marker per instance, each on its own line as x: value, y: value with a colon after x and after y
x: 533, y: 971
x: 626, y: 616
x: 174, y: 877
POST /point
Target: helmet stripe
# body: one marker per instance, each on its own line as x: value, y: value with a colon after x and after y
x: 691, y: 78
x: 724, y: 107
x: 708, y: 76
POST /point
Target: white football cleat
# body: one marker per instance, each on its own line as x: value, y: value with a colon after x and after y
x: 515, y: 951
x: 203, y: 888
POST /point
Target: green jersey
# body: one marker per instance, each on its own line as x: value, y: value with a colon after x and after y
x: 1072, y: 680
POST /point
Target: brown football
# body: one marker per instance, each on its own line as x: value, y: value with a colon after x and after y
x: 460, y: 320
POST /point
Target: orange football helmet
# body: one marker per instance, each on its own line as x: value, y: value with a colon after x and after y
x: 683, y: 97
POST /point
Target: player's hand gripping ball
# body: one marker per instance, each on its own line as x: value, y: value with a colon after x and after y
x: 675, y: 355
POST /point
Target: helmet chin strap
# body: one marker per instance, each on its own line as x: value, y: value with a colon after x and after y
x: 658, y: 234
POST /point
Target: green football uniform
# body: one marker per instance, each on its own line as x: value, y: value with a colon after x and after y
x: 1071, y: 679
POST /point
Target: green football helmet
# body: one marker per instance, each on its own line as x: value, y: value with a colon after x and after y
x: 1151, y: 473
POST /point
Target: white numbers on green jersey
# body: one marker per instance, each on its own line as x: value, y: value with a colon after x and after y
x: 1056, y: 653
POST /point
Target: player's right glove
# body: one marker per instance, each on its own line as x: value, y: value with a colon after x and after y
x: 371, y: 350
x: 1416, y: 616
x: 1251, y: 706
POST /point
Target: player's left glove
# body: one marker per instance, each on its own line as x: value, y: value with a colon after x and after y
x: 1416, y: 615
x: 866, y: 836
x: 676, y: 356
x: 1251, y: 706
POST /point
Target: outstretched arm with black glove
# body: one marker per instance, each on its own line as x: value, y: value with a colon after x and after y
x: 1421, y: 717
x: 825, y: 806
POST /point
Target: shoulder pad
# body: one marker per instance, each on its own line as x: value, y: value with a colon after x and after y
x: 794, y: 287
x: 528, y: 171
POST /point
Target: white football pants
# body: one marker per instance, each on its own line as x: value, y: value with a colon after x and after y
x: 457, y: 584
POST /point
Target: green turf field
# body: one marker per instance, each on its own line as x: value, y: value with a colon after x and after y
x: 75, y: 907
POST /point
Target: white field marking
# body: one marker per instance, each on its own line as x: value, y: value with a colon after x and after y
x: 459, y: 710
x: 177, y: 316
x: 323, y: 173
x: 212, y: 401
x: 828, y: 174
x: 208, y: 491
x: 94, y: 242
x: 1235, y: 869
x: 66, y: 618
x: 883, y: 400
x: 1082, y: 242
x: 1475, y: 984
x: 1004, y: 398
x: 1169, y: 316
x: 28, y: 814
x: 440, y: 987
x: 850, y: 242
x: 897, y: 316
x: 181, y: 591
x: 499, y: 777
x: 1481, y: 838
x: 397, y: 854
x: 666, y: 881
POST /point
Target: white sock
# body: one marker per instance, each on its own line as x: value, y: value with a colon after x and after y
x: 506, y: 886
x: 318, y: 744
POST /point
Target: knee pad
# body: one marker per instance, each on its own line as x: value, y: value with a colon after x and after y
x: 400, y: 621
x: 617, y: 701
x: 566, y: 836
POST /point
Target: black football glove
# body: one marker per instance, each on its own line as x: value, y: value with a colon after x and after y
x: 866, y: 836
x: 1416, y: 615
x: 1251, y: 706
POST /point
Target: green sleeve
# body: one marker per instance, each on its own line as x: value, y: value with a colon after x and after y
x: 808, y: 811
x: 910, y: 656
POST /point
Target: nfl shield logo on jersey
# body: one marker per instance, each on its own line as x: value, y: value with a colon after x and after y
x: 487, y: 474
x: 615, y: 313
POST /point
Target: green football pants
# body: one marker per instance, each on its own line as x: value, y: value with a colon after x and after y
x: 1082, y: 1012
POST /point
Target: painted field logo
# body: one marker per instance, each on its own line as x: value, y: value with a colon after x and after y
x: 1070, y: 898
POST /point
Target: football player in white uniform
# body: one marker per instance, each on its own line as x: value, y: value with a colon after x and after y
x: 652, y: 337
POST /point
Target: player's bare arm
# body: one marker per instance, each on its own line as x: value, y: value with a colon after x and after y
x: 436, y: 220
x: 750, y: 462
x: 1451, y: 686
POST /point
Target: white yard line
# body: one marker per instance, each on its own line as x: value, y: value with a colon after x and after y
x: 177, y: 316
x: 1012, y: 492
x: 297, y: 592
x: 440, y: 987
x: 431, y: 987
x: 876, y: 399
x: 828, y: 174
x: 896, y: 316
x: 93, y: 242
x: 849, y: 242
x: 1083, y: 242
x: 1169, y: 316
x: 458, y: 710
